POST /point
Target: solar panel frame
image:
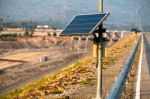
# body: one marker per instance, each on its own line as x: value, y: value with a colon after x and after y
x: 92, y: 30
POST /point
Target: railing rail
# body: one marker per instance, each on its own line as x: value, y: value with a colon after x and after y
x: 119, y: 84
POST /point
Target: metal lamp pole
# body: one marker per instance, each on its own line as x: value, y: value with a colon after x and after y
x: 137, y: 20
x: 137, y: 15
x: 100, y: 6
x: 100, y: 57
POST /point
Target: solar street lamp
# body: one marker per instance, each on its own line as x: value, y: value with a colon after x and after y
x: 91, y: 24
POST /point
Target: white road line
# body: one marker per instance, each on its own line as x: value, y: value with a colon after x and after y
x: 139, y: 72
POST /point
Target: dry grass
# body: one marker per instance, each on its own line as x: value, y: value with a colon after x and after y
x: 79, y: 74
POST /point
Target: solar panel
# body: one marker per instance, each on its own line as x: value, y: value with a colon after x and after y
x: 84, y: 24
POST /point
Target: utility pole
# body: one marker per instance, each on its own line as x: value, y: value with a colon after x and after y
x: 136, y: 18
x: 137, y: 15
x: 100, y: 56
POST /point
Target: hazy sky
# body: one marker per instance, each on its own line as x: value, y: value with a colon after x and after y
x: 122, y: 11
x: 126, y: 10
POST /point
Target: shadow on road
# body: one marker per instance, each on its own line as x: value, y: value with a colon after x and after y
x: 147, y: 51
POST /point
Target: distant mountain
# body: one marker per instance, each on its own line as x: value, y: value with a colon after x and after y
x: 44, y: 9
x: 61, y: 11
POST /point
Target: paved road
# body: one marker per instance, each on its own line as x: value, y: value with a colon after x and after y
x: 145, y: 70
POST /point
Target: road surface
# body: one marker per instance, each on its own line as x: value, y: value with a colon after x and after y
x: 145, y: 69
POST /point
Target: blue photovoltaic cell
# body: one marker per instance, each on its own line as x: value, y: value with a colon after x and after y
x: 84, y: 24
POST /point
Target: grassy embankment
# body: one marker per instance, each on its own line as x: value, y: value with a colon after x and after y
x: 77, y: 73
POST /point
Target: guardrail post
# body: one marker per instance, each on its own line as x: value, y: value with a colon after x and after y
x: 128, y: 79
x: 124, y: 90
x: 131, y: 71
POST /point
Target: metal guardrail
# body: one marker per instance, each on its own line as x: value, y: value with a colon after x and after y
x: 119, y: 84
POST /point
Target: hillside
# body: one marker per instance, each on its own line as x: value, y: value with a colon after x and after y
x: 47, y: 10
x: 63, y: 10
x: 32, y: 43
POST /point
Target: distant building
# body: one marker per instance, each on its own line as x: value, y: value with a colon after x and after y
x: 46, y: 32
x: 43, y: 26
x: 36, y: 32
x: 41, y: 32
x: 18, y: 31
